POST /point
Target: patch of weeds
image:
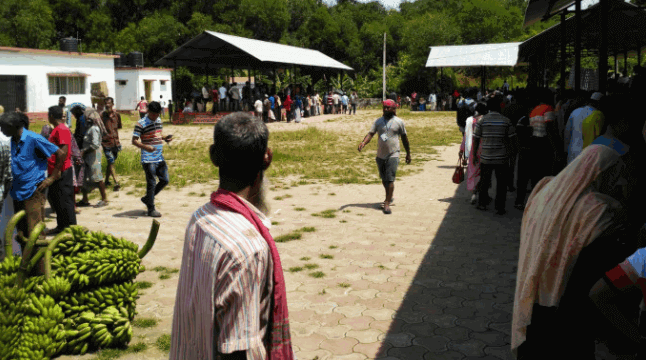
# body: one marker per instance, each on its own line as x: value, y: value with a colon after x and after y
x: 295, y: 269
x: 299, y: 209
x: 192, y: 193
x: 326, y: 256
x: 332, y: 194
x: 275, y: 223
x: 184, y: 205
x: 294, y: 235
x: 144, y: 322
x: 163, y: 343
x: 131, y: 192
x: 144, y: 285
x: 343, y: 221
x: 164, y: 276
x: 317, y: 274
x: 203, y: 194
x: 346, y: 211
x: 322, y: 292
x: 311, y: 266
x: 308, y: 229
x: 392, y: 244
x: 109, y: 354
x: 343, y: 285
x: 278, y: 198
x: 360, y: 214
x: 303, y: 182
x: 327, y: 214
x: 165, y: 272
x: 305, y: 258
x: 333, y: 247
x: 382, y: 267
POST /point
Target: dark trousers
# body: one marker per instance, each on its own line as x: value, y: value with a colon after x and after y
x: 486, y: 171
x: 542, y: 159
x: 354, y: 109
x: 154, y: 186
x: 61, y: 198
x: 33, y: 206
x: 223, y: 104
x: 512, y: 170
x: 170, y: 111
x: 524, y: 175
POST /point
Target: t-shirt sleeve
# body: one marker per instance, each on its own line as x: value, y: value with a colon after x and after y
x: 64, y: 137
x: 630, y: 271
x: 138, y: 130
x: 374, y: 128
x: 550, y: 115
x: 478, y: 132
x: 402, y: 128
x: 237, y: 305
x: 45, y: 146
x: 119, y: 126
x: 511, y: 130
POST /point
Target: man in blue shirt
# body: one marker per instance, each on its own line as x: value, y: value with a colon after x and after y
x: 273, y: 104
x: 29, y: 154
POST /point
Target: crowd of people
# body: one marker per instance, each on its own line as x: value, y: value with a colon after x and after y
x: 289, y: 104
x: 57, y: 164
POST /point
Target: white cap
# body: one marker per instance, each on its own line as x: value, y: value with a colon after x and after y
x: 596, y: 96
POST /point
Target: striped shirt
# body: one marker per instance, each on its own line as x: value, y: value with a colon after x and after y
x: 224, y: 294
x: 494, y: 130
x: 150, y: 133
x: 538, y: 119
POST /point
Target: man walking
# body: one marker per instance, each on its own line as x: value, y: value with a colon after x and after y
x: 433, y: 100
x: 110, y: 142
x: 149, y: 130
x: 499, y: 140
x: 29, y: 154
x: 223, y: 97
x: 142, y: 107
x: 61, y: 191
x: 344, y: 102
x: 231, y: 298
x: 354, y: 98
x: 390, y: 128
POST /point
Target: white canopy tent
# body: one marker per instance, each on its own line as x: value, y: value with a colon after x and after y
x: 505, y: 54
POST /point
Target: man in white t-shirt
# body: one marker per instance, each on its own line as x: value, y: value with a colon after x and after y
x: 390, y: 128
x: 258, y: 108
x: 223, y: 97
x: 162, y: 102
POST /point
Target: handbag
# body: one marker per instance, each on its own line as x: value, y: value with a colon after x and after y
x: 458, y: 174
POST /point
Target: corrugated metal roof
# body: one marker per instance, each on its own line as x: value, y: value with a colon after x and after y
x: 540, y: 9
x: 505, y: 54
x: 215, y: 49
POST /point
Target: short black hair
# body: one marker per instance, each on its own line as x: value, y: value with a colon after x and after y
x: 109, y: 98
x: 493, y: 103
x: 154, y: 107
x: 13, y: 119
x: 77, y: 110
x: 239, y: 146
x: 62, y: 97
x: 481, y: 108
x: 142, y: 98
x: 55, y: 112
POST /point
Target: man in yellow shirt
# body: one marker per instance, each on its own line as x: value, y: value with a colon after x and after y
x: 593, y: 124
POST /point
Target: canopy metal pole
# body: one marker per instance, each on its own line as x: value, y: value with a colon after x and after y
x: 563, y: 49
x: 603, y: 48
x: 174, y: 87
x: 577, y: 47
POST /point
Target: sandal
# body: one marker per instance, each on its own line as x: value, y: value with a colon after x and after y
x: 82, y: 204
x: 383, y: 204
x: 102, y: 204
x: 116, y: 187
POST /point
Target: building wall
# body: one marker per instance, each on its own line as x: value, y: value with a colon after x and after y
x: 36, y: 67
x: 131, y: 93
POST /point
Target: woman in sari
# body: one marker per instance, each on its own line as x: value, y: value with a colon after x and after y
x: 92, y: 159
x: 473, y: 167
x: 585, y: 216
x: 288, y: 108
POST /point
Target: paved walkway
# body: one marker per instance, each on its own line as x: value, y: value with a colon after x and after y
x: 435, y: 280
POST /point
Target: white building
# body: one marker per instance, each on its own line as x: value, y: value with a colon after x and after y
x: 133, y: 83
x: 33, y: 79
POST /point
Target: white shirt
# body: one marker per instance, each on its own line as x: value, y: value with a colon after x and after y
x: 223, y: 93
x: 468, y: 136
x: 205, y: 92
x: 258, y: 106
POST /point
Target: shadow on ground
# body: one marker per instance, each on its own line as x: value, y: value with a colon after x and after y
x: 460, y: 303
x: 132, y: 214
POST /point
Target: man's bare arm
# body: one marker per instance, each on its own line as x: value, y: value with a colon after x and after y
x: 137, y: 143
x: 604, y: 297
x: 366, y: 140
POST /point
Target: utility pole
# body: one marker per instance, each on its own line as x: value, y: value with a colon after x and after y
x: 383, y: 95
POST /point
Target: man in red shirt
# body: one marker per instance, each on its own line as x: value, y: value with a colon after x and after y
x: 61, y: 192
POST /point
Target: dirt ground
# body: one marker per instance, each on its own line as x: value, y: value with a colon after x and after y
x: 375, y: 256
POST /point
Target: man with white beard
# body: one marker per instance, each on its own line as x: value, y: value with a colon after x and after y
x: 390, y: 128
x: 231, y: 298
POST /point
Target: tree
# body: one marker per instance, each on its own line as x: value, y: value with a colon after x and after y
x: 266, y: 19
x: 27, y: 23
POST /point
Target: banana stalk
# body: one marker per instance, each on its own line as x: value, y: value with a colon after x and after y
x: 154, y: 230
x: 8, y: 233
x: 35, y: 259
x: 50, y: 249
x: 26, y: 255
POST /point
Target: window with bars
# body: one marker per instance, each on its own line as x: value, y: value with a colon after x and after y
x: 66, y: 85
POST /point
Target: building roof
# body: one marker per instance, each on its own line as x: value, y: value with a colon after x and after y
x: 538, y: 10
x: 505, y: 54
x: 215, y: 50
x: 54, y: 52
x: 626, y: 31
x: 142, y: 68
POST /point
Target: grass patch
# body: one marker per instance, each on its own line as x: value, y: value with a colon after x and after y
x: 286, y: 196
x: 192, y: 193
x: 164, y: 276
x: 333, y: 247
x: 361, y: 214
x: 317, y: 274
x: 299, y: 209
x: 294, y: 235
x: 332, y: 194
x: 131, y: 192
x: 295, y: 269
x: 165, y: 272
x: 343, y: 221
x: 327, y: 214
x: 275, y: 223
x: 144, y: 323
x: 305, y: 258
x: 109, y: 354
x: 203, y: 194
x: 163, y: 343
x: 144, y: 285
x: 343, y: 285
x: 322, y: 292
x: 311, y: 266
x: 392, y: 244
x: 382, y: 267
x: 346, y: 211
x: 326, y: 256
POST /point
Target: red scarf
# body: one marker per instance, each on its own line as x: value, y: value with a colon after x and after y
x: 279, y: 337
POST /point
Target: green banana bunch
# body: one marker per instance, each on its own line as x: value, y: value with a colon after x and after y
x: 9, y: 265
x: 56, y: 287
x: 110, y: 328
x: 97, y: 267
x: 99, y: 298
x: 89, y: 241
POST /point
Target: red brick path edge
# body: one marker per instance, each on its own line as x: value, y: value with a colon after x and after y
x: 198, y: 118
